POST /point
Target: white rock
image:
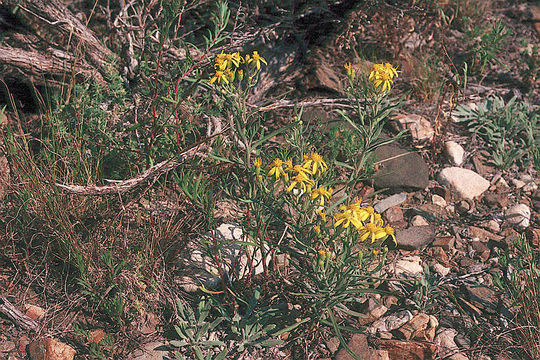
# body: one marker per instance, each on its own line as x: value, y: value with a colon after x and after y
x: 454, y: 152
x: 391, y: 322
x: 518, y: 215
x: 438, y: 200
x: 449, y: 349
x: 441, y: 270
x: 518, y: 183
x: 466, y: 183
x: 409, y: 265
x: 390, y: 201
x: 419, y: 127
x: 418, y: 220
x: 530, y: 187
x: 493, y: 226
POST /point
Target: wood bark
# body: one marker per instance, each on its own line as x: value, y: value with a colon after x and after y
x: 17, y: 317
x: 53, y: 16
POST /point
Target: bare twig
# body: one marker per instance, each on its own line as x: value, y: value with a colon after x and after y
x: 17, y: 317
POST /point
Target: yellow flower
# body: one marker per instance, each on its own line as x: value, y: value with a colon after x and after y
x: 365, y: 213
x: 257, y: 162
x: 220, y: 76
x: 350, y: 71
x: 322, y: 214
x: 390, y: 232
x: 317, y: 229
x: 256, y: 59
x: 372, y: 230
x: 240, y: 73
x: 303, y: 182
x: 221, y: 61
x: 229, y: 73
x: 314, y: 163
x: 347, y: 217
x: 236, y: 59
x: 322, y: 253
x: 321, y: 193
x: 288, y: 165
x: 382, y: 76
x: 276, y: 168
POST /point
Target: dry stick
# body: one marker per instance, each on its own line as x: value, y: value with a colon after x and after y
x: 126, y: 185
x: 18, y: 318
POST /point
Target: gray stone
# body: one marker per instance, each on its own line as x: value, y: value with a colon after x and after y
x: 409, y: 266
x: 466, y: 183
x: 519, y: 216
x: 390, y: 201
x: 415, y: 237
x: 418, y: 220
x: 418, y: 126
x: 454, y: 152
x: 400, y: 169
x: 438, y: 200
x: 391, y: 322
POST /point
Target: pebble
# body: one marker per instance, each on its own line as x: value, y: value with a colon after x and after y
x: 466, y: 183
x: 418, y: 220
x: 441, y: 270
x: 438, y: 200
x: 519, y: 216
x: 454, y: 152
x: 390, y: 201
x: 409, y: 265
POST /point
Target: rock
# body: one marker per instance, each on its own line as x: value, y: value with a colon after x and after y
x: 483, y: 235
x: 445, y: 242
x: 518, y: 183
x: 406, y: 350
x: 484, y: 298
x: 333, y: 344
x: 441, y: 270
x: 394, y: 215
x: 34, y: 312
x: 414, y: 329
x: 198, y: 268
x: 466, y: 183
x: 438, y: 200
x: 415, y: 237
x: 493, y: 226
x: 22, y: 343
x: 496, y: 200
x: 96, y: 336
x: 481, y: 249
x: 530, y: 187
x: 418, y: 220
x: 533, y: 235
x: 7, y: 346
x: 409, y: 265
x: 375, y: 311
x: 50, y: 349
x: 418, y: 126
x: 519, y: 216
x: 152, y: 351
x: 400, y: 169
x: 359, y: 346
x: 481, y: 162
x: 391, y: 201
x: 391, y: 322
x: 454, y: 152
x: 447, y: 346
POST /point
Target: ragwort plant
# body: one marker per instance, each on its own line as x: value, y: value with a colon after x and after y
x: 334, y: 241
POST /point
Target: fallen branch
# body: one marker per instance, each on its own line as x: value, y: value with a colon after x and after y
x: 126, y: 185
x: 41, y: 66
x: 17, y: 317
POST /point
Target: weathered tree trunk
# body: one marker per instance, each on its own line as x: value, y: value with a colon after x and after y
x: 73, y: 36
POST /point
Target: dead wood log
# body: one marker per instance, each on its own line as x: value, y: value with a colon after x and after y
x: 145, y: 177
x: 47, y: 66
x: 17, y: 317
x: 54, y: 17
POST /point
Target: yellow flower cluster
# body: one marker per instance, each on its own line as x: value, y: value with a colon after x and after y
x: 299, y: 176
x: 368, y: 223
x: 228, y: 66
x: 382, y: 76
